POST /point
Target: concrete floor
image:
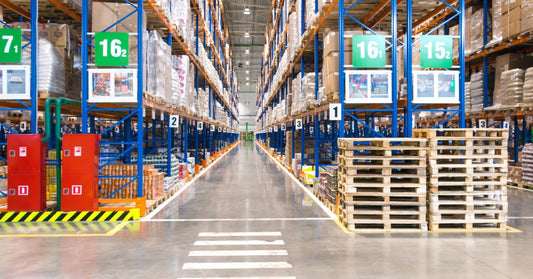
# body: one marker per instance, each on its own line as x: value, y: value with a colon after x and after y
x: 287, y: 236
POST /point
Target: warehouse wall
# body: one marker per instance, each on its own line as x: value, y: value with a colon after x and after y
x: 247, y: 111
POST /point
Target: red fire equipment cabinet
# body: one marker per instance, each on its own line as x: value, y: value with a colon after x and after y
x: 26, y: 178
x: 79, y: 172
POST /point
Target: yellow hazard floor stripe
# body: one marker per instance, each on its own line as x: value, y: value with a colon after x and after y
x: 93, y: 215
x: 117, y: 228
x: 117, y: 215
x: 45, y: 214
x: 69, y: 215
x: 82, y: 214
x: 54, y: 218
x: 7, y: 216
x: 104, y: 217
x: 30, y: 218
x: 20, y: 215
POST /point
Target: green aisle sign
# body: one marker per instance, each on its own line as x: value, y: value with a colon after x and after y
x: 436, y: 51
x: 112, y: 49
x: 10, y: 45
x: 368, y: 51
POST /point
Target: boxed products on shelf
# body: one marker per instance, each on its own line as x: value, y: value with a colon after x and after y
x: 528, y: 87
x: 504, y: 63
x: 510, y: 22
x: 497, y: 24
x: 153, y: 182
x: 527, y: 164
x: 182, y: 80
x: 512, y: 83
x: 476, y: 91
x: 526, y: 16
x: 468, y: 98
x: 476, y: 31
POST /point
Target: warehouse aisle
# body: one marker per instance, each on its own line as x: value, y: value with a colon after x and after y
x: 246, y: 218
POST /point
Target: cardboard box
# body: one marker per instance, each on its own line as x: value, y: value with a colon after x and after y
x: 331, y: 83
x: 526, y: 24
x: 508, y: 5
x: 331, y: 41
x: 511, y: 30
x: 104, y: 15
x: 507, y: 62
x: 331, y: 62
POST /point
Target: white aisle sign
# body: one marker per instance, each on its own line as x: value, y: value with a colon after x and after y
x: 270, y: 130
x: 482, y: 123
x: 298, y: 123
x: 506, y: 125
x: 200, y: 126
x: 276, y: 129
x: 212, y: 128
x: 174, y: 121
x: 283, y: 127
x: 335, y: 112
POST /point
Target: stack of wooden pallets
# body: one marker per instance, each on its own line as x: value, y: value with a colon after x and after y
x: 382, y: 184
x: 467, y: 178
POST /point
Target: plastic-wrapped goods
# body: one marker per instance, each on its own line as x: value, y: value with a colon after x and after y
x: 513, y: 85
x: 296, y: 95
x: 528, y: 87
x: 294, y: 37
x: 477, y: 31
x: 468, y: 100
x: 476, y: 91
x: 203, y: 101
x: 159, y: 77
x: 527, y: 164
x: 51, y: 68
x: 181, y: 15
x: 310, y: 14
x: 526, y: 16
x: 497, y: 32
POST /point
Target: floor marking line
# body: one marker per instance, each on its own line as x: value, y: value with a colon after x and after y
x: 237, y: 265
x: 180, y: 191
x: 307, y: 191
x: 237, y: 242
x: 226, y: 234
x: 229, y: 253
x: 117, y: 228
x: 244, y: 219
x: 518, y: 188
x: 267, y: 277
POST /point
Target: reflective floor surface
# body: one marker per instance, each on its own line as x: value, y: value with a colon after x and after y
x: 247, y: 219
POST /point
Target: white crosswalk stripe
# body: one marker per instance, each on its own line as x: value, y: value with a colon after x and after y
x: 227, y: 253
x: 268, y: 260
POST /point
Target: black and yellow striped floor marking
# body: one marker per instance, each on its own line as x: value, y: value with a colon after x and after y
x: 72, y: 216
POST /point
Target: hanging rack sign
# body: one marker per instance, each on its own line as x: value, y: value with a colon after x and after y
x: 112, y: 85
x: 436, y: 87
x: 15, y: 81
x: 368, y: 87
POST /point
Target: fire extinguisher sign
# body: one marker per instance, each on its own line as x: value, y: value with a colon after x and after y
x: 76, y: 190
x: 23, y: 190
x: 23, y: 151
x: 77, y: 151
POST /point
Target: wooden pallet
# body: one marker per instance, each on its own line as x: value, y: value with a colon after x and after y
x: 417, y: 168
x: 381, y: 143
x: 458, y: 134
x: 378, y: 209
x: 378, y: 179
x: 383, y: 199
x: 383, y: 225
x: 381, y: 189
x: 381, y: 161
x: 460, y: 225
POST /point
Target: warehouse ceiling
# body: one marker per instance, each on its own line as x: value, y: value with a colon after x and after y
x: 246, y: 21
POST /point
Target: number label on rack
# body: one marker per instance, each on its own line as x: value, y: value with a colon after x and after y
x: 153, y: 114
x: 225, y: 130
x: 174, y: 121
x: 270, y: 130
x: 200, y: 126
x: 436, y: 51
x: 311, y: 129
x: 482, y: 123
x: 506, y: 125
x: 376, y: 128
x: 276, y: 129
x: 162, y: 116
x: 335, y: 112
x: 112, y: 49
x: 298, y: 123
x: 117, y: 129
x: 219, y: 129
x: 23, y: 126
x: 368, y: 51
x: 10, y: 45
x: 212, y: 128
x: 283, y: 127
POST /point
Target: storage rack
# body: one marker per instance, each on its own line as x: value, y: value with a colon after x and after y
x: 142, y: 128
x: 386, y: 120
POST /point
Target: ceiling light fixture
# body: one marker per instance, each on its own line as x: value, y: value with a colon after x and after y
x: 247, y: 83
x: 246, y: 11
x: 247, y: 35
x: 247, y: 51
x: 247, y: 62
x: 247, y: 78
x: 247, y: 71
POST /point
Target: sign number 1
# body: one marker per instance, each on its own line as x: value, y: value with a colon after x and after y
x: 335, y: 112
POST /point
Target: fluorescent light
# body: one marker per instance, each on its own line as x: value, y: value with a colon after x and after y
x: 247, y: 51
x: 247, y: 71
x: 247, y: 83
x: 247, y: 35
x: 247, y: 78
x: 246, y: 11
x: 247, y: 62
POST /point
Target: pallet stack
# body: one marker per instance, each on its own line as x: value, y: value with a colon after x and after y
x: 515, y: 176
x: 332, y: 185
x: 527, y: 164
x: 467, y: 178
x: 382, y: 184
